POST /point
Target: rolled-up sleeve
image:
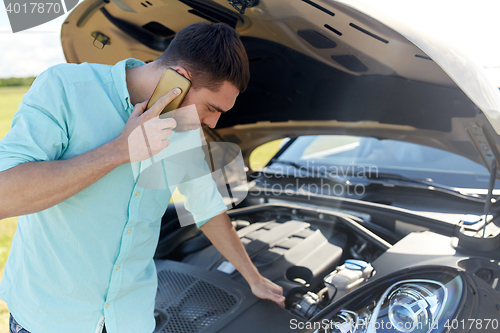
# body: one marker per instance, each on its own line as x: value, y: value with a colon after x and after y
x: 38, y: 131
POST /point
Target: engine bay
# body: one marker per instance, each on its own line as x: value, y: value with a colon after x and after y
x: 199, y: 290
x: 318, y: 255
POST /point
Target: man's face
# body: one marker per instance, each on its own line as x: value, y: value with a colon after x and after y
x: 209, y: 106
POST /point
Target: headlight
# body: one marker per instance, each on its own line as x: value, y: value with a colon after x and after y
x: 416, y: 304
x: 410, y: 302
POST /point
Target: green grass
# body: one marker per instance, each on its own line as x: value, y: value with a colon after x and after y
x: 7, y: 230
x: 14, y: 90
x: 10, y: 97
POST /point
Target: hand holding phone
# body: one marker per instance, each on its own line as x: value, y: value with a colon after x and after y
x: 145, y: 134
x: 170, y: 80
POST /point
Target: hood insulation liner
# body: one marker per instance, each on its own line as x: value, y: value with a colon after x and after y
x: 287, y: 85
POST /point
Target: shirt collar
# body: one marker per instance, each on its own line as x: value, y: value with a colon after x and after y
x: 118, y: 73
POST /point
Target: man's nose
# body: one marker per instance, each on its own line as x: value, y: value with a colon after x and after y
x: 212, y: 119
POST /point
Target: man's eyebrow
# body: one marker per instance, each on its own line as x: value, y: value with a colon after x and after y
x: 217, y: 108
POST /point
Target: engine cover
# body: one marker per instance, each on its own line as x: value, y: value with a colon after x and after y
x: 290, y: 253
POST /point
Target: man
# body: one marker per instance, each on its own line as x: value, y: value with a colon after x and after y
x: 81, y: 259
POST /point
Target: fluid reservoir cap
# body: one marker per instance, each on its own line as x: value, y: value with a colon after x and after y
x: 355, y: 265
x: 470, y: 219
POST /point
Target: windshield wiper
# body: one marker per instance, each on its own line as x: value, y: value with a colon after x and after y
x: 395, y: 176
x: 382, y: 177
x: 426, y: 183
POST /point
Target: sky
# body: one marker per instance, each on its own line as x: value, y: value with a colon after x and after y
x: 30, y: 52
x: 471, y: 25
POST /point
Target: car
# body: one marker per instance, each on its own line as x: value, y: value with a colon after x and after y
x: 378, y: 210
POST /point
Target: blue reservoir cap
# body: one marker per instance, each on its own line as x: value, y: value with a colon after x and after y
x: 470, y: 219
x: 355, y: 265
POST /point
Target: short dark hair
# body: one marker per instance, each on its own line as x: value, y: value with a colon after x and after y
x: 212, y: 53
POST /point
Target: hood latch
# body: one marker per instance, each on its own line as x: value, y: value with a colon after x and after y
x: 242, y: 5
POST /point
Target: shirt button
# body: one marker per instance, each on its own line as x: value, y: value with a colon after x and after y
x: 137, y: 194
x: 107, y: 305
x: 117, y: 268
x: 129, y: 231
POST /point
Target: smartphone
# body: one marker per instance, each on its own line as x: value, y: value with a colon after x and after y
x: 168, y: 81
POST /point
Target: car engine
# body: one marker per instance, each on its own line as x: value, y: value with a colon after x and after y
x: 301, y: 249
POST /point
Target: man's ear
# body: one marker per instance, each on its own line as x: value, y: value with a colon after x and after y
x: 182, y: 71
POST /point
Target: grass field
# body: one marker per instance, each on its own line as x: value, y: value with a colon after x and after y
x: 10, y: 97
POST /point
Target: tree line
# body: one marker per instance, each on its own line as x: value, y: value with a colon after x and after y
x: 17, y: 81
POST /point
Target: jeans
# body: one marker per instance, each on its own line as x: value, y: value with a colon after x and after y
x: 16, y: 328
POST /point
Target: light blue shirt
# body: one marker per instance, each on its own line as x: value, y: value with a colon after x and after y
x: 89, y: 258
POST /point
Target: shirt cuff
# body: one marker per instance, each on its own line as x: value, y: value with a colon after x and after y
x: 207, y: 217
x: 8, y: 163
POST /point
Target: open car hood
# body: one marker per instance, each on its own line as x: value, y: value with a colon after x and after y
x: 321, y: 67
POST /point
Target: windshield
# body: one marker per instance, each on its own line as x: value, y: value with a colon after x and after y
x: 353, y: 156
